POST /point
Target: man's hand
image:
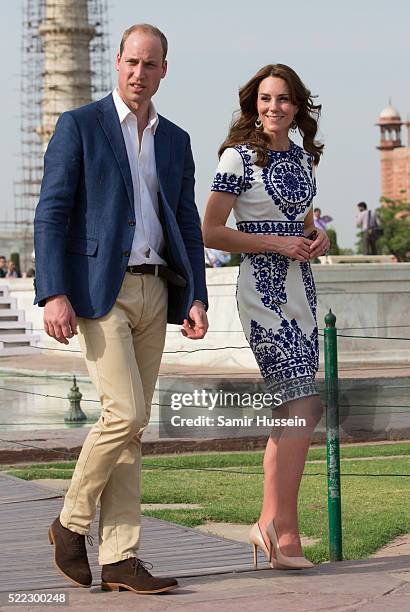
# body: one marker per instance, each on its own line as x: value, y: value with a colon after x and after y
x: 59, y: 318
x: 320, y: 245
x: 196, y: 326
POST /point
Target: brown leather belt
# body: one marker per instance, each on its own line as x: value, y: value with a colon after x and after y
x: 158, y: 270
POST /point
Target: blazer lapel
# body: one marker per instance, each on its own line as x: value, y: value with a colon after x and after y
x: 110, y: 123
x: 162, y: 144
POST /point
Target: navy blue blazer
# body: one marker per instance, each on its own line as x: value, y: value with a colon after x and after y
x: 84, y: 222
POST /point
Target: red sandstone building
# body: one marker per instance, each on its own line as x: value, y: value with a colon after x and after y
x: 394, y: 156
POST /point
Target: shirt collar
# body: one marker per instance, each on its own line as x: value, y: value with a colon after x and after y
x: 124, y: 111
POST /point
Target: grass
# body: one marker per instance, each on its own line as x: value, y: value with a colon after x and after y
x: 64, y: 469
x: 374, y: 508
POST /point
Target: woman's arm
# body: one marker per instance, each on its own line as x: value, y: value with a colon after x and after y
x: 217, y: 236
x: 309, y: 226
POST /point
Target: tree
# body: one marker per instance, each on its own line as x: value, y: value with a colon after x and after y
x: 15, y: 258
x: 235, y: 259
x: 395, y: 221
x: 334, y: 248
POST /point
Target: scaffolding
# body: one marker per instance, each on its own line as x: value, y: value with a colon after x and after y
x: 27, y: 186
x: 100, y: 56
x: 65, y: 62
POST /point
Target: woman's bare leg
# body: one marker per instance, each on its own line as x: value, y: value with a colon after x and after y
x: 283, y: 464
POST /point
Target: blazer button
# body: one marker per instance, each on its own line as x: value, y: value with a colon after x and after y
x: 131, y: 222
x: 126, y: 253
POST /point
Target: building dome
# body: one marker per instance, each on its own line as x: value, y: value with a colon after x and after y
x: 390, y: 113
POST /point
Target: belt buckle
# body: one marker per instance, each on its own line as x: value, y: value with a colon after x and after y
x: 135, y: 273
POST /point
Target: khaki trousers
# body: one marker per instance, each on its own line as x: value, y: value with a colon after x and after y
x: 123, y: 352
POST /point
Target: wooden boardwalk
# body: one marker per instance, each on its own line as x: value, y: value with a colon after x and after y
x: 27, y: 509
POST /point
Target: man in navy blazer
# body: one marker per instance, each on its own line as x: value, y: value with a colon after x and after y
x: 119, y: 253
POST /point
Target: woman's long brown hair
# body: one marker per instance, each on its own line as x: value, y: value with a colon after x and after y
x: 244, y: 131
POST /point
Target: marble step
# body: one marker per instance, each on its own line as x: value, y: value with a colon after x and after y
x: 17, y: 339
x: 18, y: 350
x: 15, y: 326
x: 7, y: 302
x: 12, y: 315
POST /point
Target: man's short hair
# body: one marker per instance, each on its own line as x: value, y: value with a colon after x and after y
x: 362, y: 205
x: 317, y: 210
x: 147, y: 28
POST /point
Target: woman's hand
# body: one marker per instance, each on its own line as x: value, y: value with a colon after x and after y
x: 294, y: 247
x: 320, y: 245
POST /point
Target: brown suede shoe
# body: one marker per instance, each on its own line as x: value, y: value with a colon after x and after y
x: 133, y: 575
x: 70, y: 554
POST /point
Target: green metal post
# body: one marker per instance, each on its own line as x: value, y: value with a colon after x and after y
x: 332, y: 439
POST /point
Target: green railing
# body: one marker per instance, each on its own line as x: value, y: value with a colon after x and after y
x: 332, y: 439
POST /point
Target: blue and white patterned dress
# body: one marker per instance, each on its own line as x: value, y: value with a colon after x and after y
x: 276, y: 296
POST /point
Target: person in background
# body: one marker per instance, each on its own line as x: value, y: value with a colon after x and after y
x: 12, y: 271
x: 215, y: 258
x: 3, y: 266
x: 31, y: 273
x: 319, y: 221
x: 369, y: 225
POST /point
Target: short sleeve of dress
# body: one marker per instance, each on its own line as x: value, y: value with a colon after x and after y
x: 229, y: 173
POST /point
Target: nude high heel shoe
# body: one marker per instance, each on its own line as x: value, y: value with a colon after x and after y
x: 256, y: 539
x: 282, y: 561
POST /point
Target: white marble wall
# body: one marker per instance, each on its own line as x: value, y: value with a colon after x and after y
x: 359, y: 295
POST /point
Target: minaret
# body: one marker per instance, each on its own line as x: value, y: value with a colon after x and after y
x: 407, y: 125
x: 390, y: 139
x: 65, y: 62
x: 66, y: 34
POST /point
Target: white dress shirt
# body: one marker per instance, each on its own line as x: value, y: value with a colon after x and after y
x: 364, y: 219
x: 148, y: 242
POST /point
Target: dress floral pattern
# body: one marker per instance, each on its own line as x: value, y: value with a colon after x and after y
x: 276, y: 295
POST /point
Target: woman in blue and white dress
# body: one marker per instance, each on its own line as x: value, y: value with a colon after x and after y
x: 268, y: 182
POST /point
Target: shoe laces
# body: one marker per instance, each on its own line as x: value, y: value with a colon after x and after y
x: 144, y: 565
x: 90, y: 540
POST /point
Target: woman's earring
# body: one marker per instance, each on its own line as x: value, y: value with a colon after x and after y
x: 294, y: 126
x: 258, y: 123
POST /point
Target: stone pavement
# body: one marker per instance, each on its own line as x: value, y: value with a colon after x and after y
x: 380, y: 583
x: 372, y: 585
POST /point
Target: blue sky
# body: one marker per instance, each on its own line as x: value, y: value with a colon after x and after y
x: 353, y: 55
